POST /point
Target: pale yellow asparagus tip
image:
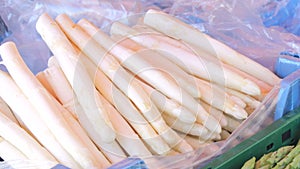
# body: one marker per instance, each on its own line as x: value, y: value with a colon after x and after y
x: 250, y: 87
x: 237, y: 112
x: 238, y: 101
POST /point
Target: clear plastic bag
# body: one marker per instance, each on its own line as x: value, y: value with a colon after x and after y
x: 239, y: 24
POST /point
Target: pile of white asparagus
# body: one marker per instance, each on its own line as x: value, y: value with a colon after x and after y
x: 160, y: 87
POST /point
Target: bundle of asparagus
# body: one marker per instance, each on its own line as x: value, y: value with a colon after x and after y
x: 156, y: 88
x: 287, y: 157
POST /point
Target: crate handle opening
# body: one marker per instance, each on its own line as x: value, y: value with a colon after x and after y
x: 270, y: 146
x: 286, y: 135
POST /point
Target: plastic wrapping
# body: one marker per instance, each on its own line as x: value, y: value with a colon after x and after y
x: 239, y: 24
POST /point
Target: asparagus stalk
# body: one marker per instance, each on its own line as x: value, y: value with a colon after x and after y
x: 126, y: 108
x: 238, y: 101
x: 14, y: 158
x: 250, y: 164
x: 279, y: 154
x: 189, y: 61
x: 169, y: 106
x: 77, y: 76
x: 41, y: 76
x: 179, y: 30
x: 288, y: 158
x: 98, y: 158
x: 8, y: 152
x: 263, y: 160
x: 185, y: 81
x: 138, y: 63
x: 218, y: 114
x: 192, y: 129
x: 7, y: 112
x: 250, y: 101
x: 295, y: 164
x: 148, y: 109
x: 22, y: 107
x: 57, y: 81
x: 232, y: 123
x: 212, y: 94
x: 195, y: 142
x: 44, y: 104
x: 80, y: 38
x: 14, y: 134
x: 264, y: 87
x: 111, y: 150
x: 126, y: 136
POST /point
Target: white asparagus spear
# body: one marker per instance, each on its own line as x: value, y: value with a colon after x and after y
x: 126, y: 42
x: 177, y: 29
x: 126, y: 108
x: 238, y: 101
x: 122, y: 78
x: 264, y: 87
x: 72, y: 122
x: 157, y: 145
x: 192, y: 129
x: 58, y: 86
x: 250, y: 101
x: 8, y: 152
x: 218, y: 114
x: 125, y: 134
x: 194, y: 141
x: 189, y: 61
x: 171, y: 107
x: 136, y: 62
x: 232, y: 123
x: 58, y: 77
x: 7, y: 112
x: 118, y: 51
x: 155, y: 60
x: 41, y: 76
x: 183, y: 97
x: 215, y: 96
x: 111, y: 150
x: 18, y: 137
x: 102, y: 136
x: 14, y: 158
x: 77, y: 76
x: 99, y: 158
x: 19, y: 103
x: 44, y: 104
x: 61, y: 86
x: 149, y: 110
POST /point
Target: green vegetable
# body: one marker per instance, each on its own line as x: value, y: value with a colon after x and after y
x: 249, y: 164
x: 279, y: 154
x: 263, y: 160
x: 289, y: 158
x: 295, y: 164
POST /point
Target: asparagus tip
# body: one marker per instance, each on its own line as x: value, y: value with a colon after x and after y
x: 251, y: 88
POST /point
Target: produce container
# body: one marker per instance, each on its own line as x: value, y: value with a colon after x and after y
x: 285, y: 131
x: 245, y: 34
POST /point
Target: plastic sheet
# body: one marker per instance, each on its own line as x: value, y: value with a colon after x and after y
x: 239, y: 24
